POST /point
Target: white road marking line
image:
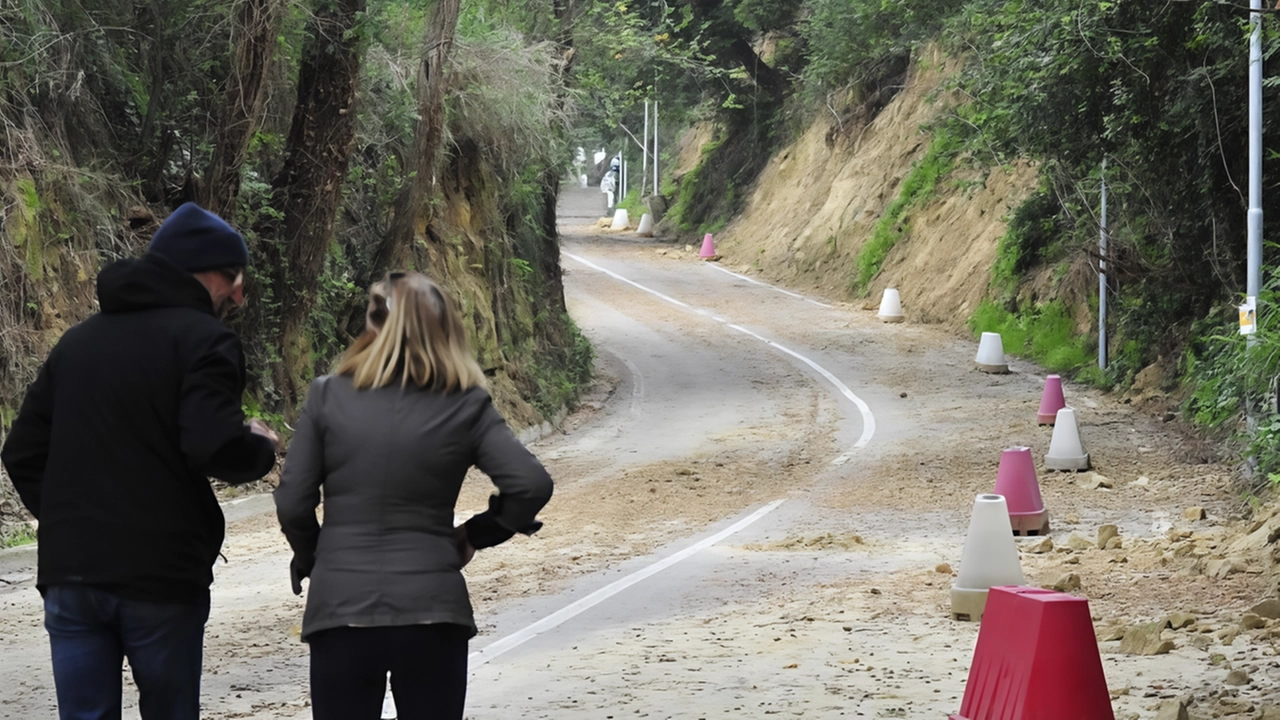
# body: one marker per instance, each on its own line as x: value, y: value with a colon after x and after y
x: 771, y: 287
x: 868, y: 419
x: 514, y: 640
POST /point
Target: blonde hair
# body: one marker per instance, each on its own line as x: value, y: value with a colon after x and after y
x: 412, y: 332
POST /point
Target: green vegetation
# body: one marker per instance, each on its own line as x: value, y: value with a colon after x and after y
x: 1045, y: 333
x: 916, y: 190
x: 1233, y: 385
x: 17, y: 534
x: 560, y: 379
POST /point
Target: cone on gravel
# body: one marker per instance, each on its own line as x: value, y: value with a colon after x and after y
x: 621, y: 221
x: 991, y: 354
x: 708, y: 251
x: 1066, y: 452
x: 890, y: 306
x: 1051, y: 400
x: 1016, y: 481
x: 990, y: 558
x: 1036, y: 659
x: 646, y: 226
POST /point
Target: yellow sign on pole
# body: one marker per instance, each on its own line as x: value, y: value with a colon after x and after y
x: 1249, y: 316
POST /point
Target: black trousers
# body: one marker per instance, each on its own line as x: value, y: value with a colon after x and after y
x: 428, y: 666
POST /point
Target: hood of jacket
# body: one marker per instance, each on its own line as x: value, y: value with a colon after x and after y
x: 147, y: 283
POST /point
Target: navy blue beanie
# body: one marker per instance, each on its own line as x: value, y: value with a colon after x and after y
x: 196, y: 240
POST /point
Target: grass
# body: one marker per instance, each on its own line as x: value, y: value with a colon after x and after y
x: 17, y: 535
x: 917, y: 188
x: 1045, y: 333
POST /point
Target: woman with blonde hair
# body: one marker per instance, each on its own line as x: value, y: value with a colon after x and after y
x: 388, y: 439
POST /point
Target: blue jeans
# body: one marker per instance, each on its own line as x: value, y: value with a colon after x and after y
x: 91, y: 631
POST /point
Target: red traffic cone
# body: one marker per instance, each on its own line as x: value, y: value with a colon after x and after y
x: 1037, y: 659
x: 708, y: 251
x: 1051, y: 401
x: 1016, y: 481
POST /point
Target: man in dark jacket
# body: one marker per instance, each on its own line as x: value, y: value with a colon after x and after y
x: 132, y: 412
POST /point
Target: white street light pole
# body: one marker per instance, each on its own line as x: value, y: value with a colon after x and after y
x: 644, y: 150
x: 1254, y: 266
x: 656, y: 189
x: 1102, y: 276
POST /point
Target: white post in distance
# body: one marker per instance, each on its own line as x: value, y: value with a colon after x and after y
x: 1254, y: 264
x: 1102, y: 276
x: 644, y: 150
x: 656, y: 188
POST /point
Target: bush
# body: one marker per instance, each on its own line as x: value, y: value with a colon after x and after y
x: 1045, y: 333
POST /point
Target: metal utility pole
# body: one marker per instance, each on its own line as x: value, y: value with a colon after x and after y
x: 1102, y: 276
x: 644, y: 150
x: 1254, y: 267
x: 655, y: 145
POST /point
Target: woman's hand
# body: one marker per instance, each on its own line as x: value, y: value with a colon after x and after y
x: 299, y: 571
x: 465, y: 551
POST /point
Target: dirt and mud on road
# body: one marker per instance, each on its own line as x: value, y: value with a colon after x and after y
x: 710, y: 407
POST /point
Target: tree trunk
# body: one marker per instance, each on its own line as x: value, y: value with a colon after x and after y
x: 564, y: 11
x: 308, y: 190
x: 253, y: 42
x: 413, y: 204
x: 765, y: 77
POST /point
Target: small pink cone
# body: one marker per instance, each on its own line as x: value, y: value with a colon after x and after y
x: 708, y: 247
x: 1051, y: 401
x: 1016, y: 481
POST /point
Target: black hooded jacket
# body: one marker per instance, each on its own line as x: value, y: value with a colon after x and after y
x: 131, y: 413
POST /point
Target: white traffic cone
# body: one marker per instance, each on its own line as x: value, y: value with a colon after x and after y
x: 890, y: 306
x: 991, y: 354
x: 620, y: 220
x: 990, y: 558
x: 1066, y: 452
x: 646, y: 226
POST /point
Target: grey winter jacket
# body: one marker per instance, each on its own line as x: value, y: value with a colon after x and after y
x: 390, y: 463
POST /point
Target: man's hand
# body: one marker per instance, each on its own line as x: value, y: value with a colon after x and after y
x: 465, y: 551
x: 257, y: 427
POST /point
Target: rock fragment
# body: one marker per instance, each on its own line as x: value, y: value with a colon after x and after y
x: 1269, y: 609
x: 1075, y: 542
x: 1067, y: 583
x: 1145, y: 640
x: 1040, y: 546
x: 1173, y: 710
x: 1237, y: 677
x: 1250, y: 621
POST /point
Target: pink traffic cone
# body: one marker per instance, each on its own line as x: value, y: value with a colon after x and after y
x: 1016, y: 481
x: 1051, y: 401
x: 708, y: 247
